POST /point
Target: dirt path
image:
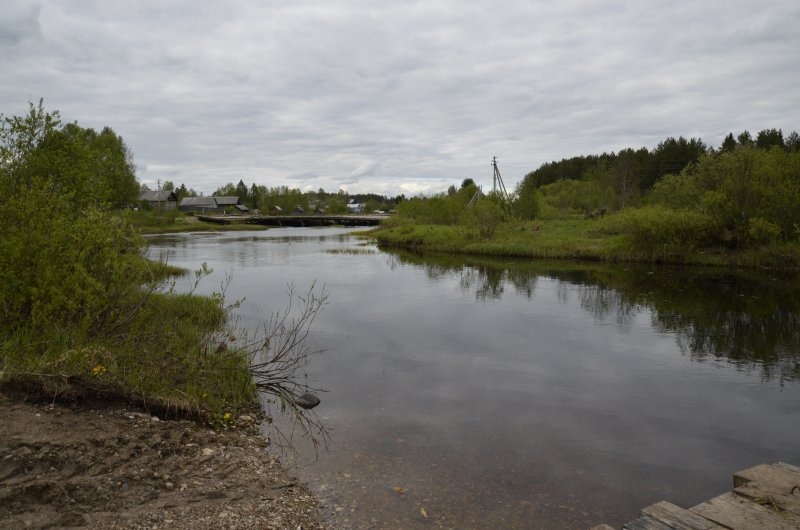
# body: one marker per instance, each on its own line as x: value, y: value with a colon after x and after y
x: 107, y: 466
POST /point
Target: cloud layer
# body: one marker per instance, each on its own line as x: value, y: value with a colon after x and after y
x: 401, y: 97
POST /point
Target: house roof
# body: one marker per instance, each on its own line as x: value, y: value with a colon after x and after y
x: 242, y: 208
x: 227, y: 200
x: 199, y: 202
x: 157, y: 196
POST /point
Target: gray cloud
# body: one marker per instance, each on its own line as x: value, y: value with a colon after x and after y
x: 20, y: 21
x: 370, y: 168
x: 398, y: 98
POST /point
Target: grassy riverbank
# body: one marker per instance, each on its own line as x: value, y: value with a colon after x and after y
x: 172, y: 222
x: 158, y: 349
x: 576, y: 238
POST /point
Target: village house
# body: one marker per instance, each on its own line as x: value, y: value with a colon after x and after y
x: 225, y: 201
x: 159, y: 200
x: 355, y: 207
x: 200, y: 205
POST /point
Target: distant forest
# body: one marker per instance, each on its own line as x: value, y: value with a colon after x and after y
x: 631, y: 173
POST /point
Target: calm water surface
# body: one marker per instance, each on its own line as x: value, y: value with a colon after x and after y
x: 512, y: 394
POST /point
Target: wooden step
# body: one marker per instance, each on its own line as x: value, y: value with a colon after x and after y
x: 737, y: 512
x: 666, y: 516
x: 772, y: 485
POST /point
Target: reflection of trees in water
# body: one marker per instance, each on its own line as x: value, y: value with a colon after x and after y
x: 741, y: 334
x: 489, y: 283
x: 754, y: 324
x: 602, y: 302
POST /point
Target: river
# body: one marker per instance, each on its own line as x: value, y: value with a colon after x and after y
x: 484, y: 393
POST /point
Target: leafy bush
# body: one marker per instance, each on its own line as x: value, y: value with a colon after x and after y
x: 661, y: 232
x: 527, y: 204
x: 485, y: 216
x: 676, y: 191
x: 64, y: 267
x: 760, y: 231
x: 437, y: 210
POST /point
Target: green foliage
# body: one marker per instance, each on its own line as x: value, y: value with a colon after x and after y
x: 676, y: 191
x: 769, y: 138
x: 485, y: 216
x: 750, y: 183
x: 79, y: 304
x: 659, y: 232
x: 527, y: 201
x: 19, y: 138
x: 736, y: 187
x: 64, y: 267
x: 36, y: 152
x: 760, y: 231
x: 443, y: 209
x: 567, y: 196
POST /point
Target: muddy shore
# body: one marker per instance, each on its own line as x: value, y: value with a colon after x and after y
x: 108, y: 465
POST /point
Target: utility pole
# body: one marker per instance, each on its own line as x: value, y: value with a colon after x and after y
x: 497, y: 180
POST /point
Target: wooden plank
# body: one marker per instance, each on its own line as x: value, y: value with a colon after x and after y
x: 736, y: 512
x: 602, y: 527
x: 677, y: 518
x: 752, y: 491
x: 645, y: 522
x: 770, y: 477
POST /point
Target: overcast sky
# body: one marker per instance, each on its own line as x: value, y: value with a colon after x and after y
x: 398, y: 97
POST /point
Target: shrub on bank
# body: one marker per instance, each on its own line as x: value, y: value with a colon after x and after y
x: 80, y: 307
x: 660, y: 232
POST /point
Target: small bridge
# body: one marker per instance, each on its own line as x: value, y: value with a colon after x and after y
x: 298, y: 220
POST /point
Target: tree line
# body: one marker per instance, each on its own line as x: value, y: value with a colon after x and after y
x: 612, y: 181
x: 683, y: 195
x: 264, y: 198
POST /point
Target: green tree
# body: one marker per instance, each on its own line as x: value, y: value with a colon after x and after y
x: 94, y: 168
x: 114, y: 163
x: 255, y: 199
x: 793, y: 142
x: 769, y: 138
x: 627, y: 174
x: 601, y: 181
x: 744, y: 139
x: 64, y: 258
x: 526, y: 203
x: 241, y: 191
x: 225, y: 191
x: 20, y: 138
x: 728, y: 144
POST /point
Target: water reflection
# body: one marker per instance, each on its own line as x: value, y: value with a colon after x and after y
x: 520, y: 394
x: 752, y: 323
